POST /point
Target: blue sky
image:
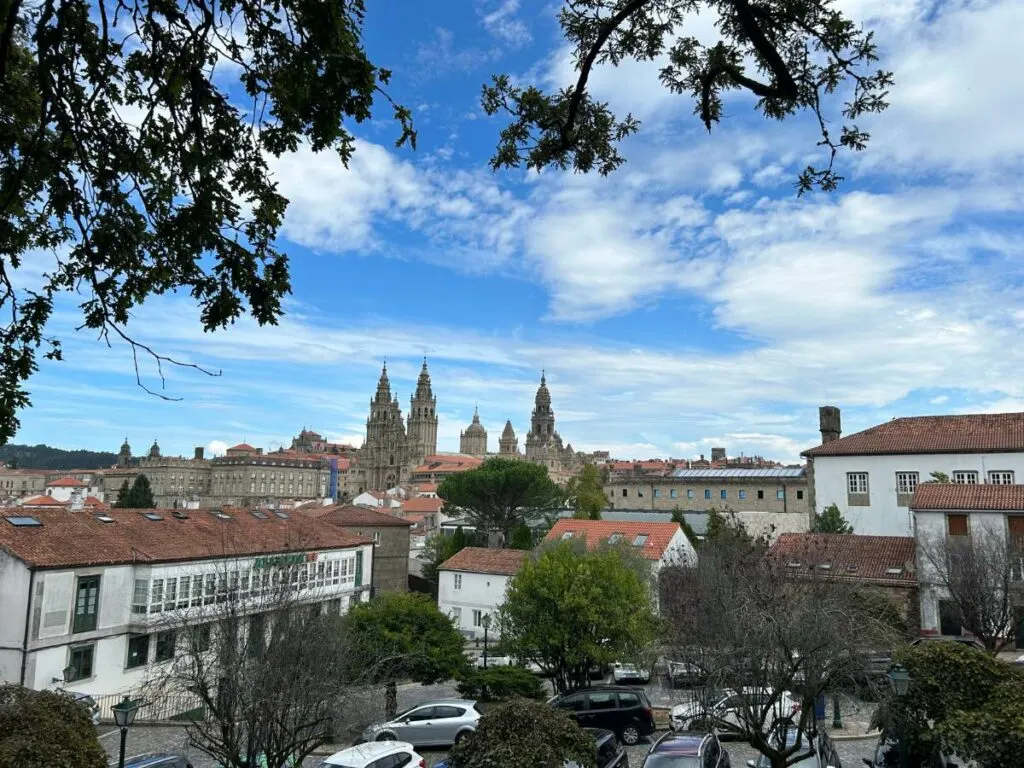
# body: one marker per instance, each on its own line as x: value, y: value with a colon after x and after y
x: 688, y: 300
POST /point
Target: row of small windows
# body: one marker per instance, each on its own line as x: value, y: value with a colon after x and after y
x: 741, y: 494
x: 906, y: 482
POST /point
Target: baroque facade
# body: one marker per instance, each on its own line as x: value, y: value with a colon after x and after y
x: 473, y: 441
x: 543, y: 443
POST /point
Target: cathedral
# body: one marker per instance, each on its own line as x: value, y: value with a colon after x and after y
x: 394, y: 448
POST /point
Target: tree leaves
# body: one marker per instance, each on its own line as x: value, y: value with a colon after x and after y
x: 42, y: 729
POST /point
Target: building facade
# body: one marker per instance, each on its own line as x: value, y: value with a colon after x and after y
x: 96, y: 601
x: 544, y: 444
x: 473, y: 439
x: 472, y: 584
x: 508, y: 443
x: 872, y: 475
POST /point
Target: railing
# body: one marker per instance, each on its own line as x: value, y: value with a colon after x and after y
x: 174, y: 706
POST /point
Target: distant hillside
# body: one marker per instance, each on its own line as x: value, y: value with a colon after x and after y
x: 45, y: 457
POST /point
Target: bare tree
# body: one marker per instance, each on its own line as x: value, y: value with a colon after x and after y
x: 980, y: 575
x: 772, y: 631
x: 265, y: 660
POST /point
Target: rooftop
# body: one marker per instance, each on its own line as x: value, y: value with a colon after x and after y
x: 67, y: 482
x: 711, y: 474
x: 423, y: 504
x: 957, y: 496
x: 349, y: 514
x: 120, y: 536
x: 504, y: 562
x: 847, y: 556
x: 650, y: 539
x: 971, y: 433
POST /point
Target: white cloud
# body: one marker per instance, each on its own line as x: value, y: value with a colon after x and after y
x: 501, y: 22
x: 216, y: 448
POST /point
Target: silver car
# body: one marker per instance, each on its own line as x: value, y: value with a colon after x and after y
x: 439, y: 723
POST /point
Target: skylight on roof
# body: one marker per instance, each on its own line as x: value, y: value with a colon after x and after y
x: 260, y: 514
x: 894, y: 571
x: 567, y: 535
x: 179, y: 514
x: 280, y: 514
x: 23, y: 521
x: 153, y: 516
x: 851, y: 568
x: 220, y: 514
x: 825, y: 566
x: 794, y: 563
x: 640, y: 540
x: 615, y: 538
x: 105, y: 518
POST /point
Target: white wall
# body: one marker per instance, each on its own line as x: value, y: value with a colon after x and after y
x: 14, y: 588
x: 884, y: 517
x: 479, y: 591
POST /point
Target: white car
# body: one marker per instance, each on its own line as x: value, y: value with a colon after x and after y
x: 396, y: 754
x: 495, y: 661
x: 727, y: 709
x: 629, y: 673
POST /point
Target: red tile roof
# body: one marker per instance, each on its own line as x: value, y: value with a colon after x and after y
x: 349, y: 514
x: 70, y: 540
x: 851, y: 557
x: 423, y: 504
x: 975, y: 433
x: 67, y: 482
x: 241, y: 447
x: 595, y: 532
x: 43, y: 501
x: 504, y: 562
x: 957, y: 496
x: 426, y: 487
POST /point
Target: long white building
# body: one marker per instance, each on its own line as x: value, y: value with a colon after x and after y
x: 85, y: 599
x: 872, y: 475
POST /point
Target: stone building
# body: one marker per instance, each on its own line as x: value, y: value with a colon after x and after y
x: 473, y: 440
x: 508, y: 444
x: 543, y: 443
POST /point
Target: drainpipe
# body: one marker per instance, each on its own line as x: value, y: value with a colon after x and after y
x: 28, y: 622
x: 785, y: 499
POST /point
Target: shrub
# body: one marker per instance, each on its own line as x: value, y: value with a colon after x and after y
x: 496, y: 683
x: 44, y: 729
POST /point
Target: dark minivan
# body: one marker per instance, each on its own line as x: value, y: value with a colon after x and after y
x: 624, y: 711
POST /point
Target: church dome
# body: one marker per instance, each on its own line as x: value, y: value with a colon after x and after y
x: 126, y: 450
x: 154, y: 451
x: 476, y: 428
x: 543, y: 396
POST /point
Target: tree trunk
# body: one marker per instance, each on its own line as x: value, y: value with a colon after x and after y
x: 391, y: 699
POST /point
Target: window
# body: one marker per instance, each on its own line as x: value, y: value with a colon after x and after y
x: 949, y: 618
x: 857, y: 482
x: 690, y: 494
x: 603, y: 701
x: 478, y: 618
x: 211, y: 588
x: 742, y: 494
x: 443, y: 712
x: 799, y: 495
x: 629, y: 700
x: 456, y: 614
x: 140, y: 596
x: 1015, y: 527
x: 624, y: 493
x: 640, y: 492
x: 165, y: 642
x: 170, y: 593
x: 157, y: 599
x: 199, y: 637
x: 760, y: 494
x: 458, y: 581
x: 1000, y: 477
x: 185, y: 583
x: 376, y: 537
x: 87, y: 600
x: 577, y: 702
x: 640, y: 540
x: 724, y: 494
x: 138, y: 651
x: 257, y: 635
x: 965, y: 477
x: 956, y: 525
x: 906, y: 482
x: 707, y: 493
x: 81, y: 662
x: 673, y: 493
x: 421, y: 715
x: 657, y: 493
x: 780, y: 494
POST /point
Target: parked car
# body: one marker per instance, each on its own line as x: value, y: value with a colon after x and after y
x: 887, y: 755
x: 629, y: 673
x: 726, y: 708
x: 89, y: 703
x: 610, y: 753
x: 689, y: 749
x: 495, y: 661
x: 972, y: 642
x: 438, y: 723
x: 156, y: 761
x: 686, y: 674
x: 823, y: 751
x: 624, y: 711
x: 378, y: 754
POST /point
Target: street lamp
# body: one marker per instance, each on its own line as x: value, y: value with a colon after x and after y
x: 899, y: 679
x: 124, y: 716
x: 65, y: 677
x: 485, y: 622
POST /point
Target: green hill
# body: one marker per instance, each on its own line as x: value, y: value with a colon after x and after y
x: 45, y: 457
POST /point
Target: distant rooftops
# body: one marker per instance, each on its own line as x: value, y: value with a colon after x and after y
x: 712, y: 474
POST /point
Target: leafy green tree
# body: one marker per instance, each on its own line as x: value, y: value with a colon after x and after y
x: 831, y: 520
x: 140, y: 496
x: 123, y: 152
x: 526, y: 733
x: 44, y: 457
x: 570, y: 609
x: 522, y: 537
x: 585, y: 494
x: 939, y: 477
x: 42, y: 729
x: 679, y: 517
x: 123, y: 495
x: 497, y: 683
x: 793, y: 57
x: 440, y: 547
x: 500, y: 494
x: 410, y: 638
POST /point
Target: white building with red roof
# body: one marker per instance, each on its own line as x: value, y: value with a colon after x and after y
x: 664, y: 544
x: 472, y: 584
x: 68, y: 488
x: 871, y: 475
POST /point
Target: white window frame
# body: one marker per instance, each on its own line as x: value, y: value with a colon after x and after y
x: 906, y: 482
x: 857, y: 483
x: 456, y: 616
x: 458, y: 580
x: 965, y: 477
x: 1001, y: 477
x: 478, y: 616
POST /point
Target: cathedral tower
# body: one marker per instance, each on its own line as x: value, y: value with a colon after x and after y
x: 422, y: 419
x: 385, y: 449
x: 508, y: 445
x: 473, y: 441
x: 542, y: 438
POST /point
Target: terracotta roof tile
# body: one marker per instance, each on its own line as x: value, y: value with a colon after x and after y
x: 67, y: 482
x: 68, y: 540
x: 957, y: 496
x: 350, y: 514
x: 241, y: 447
x: 505, y: 562
x: 973, y: 433
x: 850, y: 557
x: 43, y: 501
x: 595, y: 532
x: 423, y: 504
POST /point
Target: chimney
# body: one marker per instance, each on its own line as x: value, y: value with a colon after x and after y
x: 829, y: 423
x: 76, y: 500
x: 199, y: 452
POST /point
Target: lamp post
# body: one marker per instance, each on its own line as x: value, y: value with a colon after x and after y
x: 899, y: 679
x: 124, y: 716
x: 65, y: 677
x: 485, y: 622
